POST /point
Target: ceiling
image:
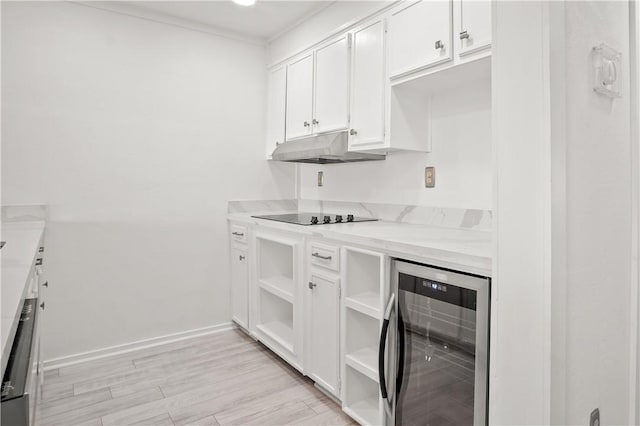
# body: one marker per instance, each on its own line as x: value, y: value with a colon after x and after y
x: 264, y: 20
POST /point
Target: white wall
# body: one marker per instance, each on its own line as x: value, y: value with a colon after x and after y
x: 461, y: 150
x: 598, y: 220
x: 136, y: 134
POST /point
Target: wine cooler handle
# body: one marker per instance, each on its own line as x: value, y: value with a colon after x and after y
x: 382, y: 346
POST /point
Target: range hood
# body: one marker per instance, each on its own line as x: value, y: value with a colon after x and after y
x: 321, y: 149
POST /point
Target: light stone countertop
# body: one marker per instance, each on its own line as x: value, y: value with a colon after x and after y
x: 459, y: 249
x: 17, y: 259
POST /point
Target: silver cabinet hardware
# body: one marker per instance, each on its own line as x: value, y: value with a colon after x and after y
x: 311, y: 285
x: 42, y: 306
x: 463, y: 35
x: 278, y: 143
x: 353, y: 132
x: 41, y: 250
x: 39, y: 261
x: 315, y: 122
x: 319, y: 256
x: 439, y: 45
x: 45, y: 284
x: 238, y: 234
x: 242, y: 257
x: 306, y: 124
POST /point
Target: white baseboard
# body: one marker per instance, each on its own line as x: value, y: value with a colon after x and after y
x: 110, y: 351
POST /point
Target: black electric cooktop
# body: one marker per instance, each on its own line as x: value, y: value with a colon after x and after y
x: 309, y: 219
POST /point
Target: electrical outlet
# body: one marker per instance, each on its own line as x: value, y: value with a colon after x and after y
x: 595, y: 418
x: 429, y: 177
x: 320, y: 178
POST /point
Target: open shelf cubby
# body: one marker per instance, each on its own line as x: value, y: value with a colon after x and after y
x: 363, y: 283
x: 362, y: 334
x: 361, y: 400
x: 276, y: 319
x: 275, y: 269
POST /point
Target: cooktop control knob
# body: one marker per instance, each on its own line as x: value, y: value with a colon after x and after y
x: 338, y: 218
x: 327, y: 219
x: 314, y: 220
x: 349, y: 218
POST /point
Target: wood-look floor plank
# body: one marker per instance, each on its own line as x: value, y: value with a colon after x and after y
x: 102, y: 408
x: 226, y: 378
x: 280, y: 414
x: 160, y: 420
x: 205, y: 421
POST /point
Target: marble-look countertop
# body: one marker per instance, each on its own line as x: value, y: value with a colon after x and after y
x: 17, y: 259
x: 459, y: 249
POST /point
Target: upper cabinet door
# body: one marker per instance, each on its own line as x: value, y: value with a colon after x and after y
x: 419, y: 36
x: 475, y: 25
x: 332, y: 86
x: 276, y: 108
x: 299, y: 97
x: 367, y: 87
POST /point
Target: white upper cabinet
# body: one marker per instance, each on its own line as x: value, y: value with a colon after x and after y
x: 299, y: 113
x: 473, y: 25
x: 276, y: 108
x: 332, y: 86
x: 368, y: 87
x: 419, y: 36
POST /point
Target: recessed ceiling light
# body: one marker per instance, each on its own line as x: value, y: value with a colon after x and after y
x: 245, y: 2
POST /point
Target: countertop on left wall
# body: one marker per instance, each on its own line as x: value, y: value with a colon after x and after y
x: 17, y: 258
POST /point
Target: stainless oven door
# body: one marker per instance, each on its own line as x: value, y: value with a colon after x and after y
x: 440, y: 345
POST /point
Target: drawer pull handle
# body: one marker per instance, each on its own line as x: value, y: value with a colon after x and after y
x: 464, y: 35
x: 42, y: 306
x: 311, y: 285
x: 241, y: 257
x: 39, y: 261
x: 238, y: 234
x: 319, y: 256
x: 46, y: 284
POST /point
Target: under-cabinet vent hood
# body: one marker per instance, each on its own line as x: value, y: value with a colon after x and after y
x: 321, y: 149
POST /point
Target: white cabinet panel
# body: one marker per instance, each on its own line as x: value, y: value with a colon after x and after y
x: 475, y: 25
x: 368, y: 87
x: 299, y: 97
x: 240, y: 287
x: 332, y: 86
x: 324, y: 330
x: 276, y: 108
x: 419, y: 36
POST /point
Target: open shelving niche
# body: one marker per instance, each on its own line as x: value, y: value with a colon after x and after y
x: 275, y: 277
x: 362, y: 321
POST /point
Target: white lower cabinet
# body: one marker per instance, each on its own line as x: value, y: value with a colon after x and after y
x: 240, y: 287
x: 319, y: 307
x: 278, y: 297
x: 324, y: 332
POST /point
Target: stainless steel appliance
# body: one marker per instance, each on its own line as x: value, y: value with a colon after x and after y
x: 433, y: 355
x: 21, y: 384
x: 321, y: 149
x: 309, y: 219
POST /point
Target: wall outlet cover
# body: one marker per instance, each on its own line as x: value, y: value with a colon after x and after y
x: 429, y: 177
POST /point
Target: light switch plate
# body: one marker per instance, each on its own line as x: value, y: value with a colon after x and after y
x: 429, y: 177
x: 320, y: 178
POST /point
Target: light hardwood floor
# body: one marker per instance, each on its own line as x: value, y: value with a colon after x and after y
x: 221, y: 379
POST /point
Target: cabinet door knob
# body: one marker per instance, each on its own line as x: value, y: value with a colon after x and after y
x: 45, y: 284
x: 42, y: 306
x: 464, y: 35
x: 316, y: 122
x: 242, y: 257
x: 311, y: 285
x: 353, y: 132
x: 439, y: 45
x: 278, y: 143
x: 306, y: 124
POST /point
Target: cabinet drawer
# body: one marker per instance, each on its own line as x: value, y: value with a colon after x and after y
x: 238, y: 233
x: 325, y: 256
